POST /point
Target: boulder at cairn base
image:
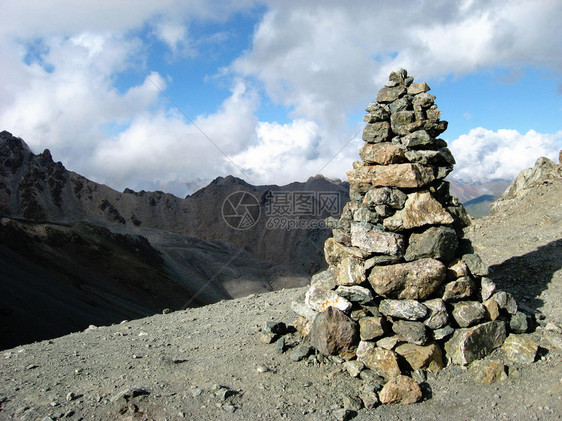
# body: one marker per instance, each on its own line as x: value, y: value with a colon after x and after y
x: 333, y: 331
x: 476, y: 342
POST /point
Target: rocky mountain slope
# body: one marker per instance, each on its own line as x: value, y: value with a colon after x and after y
x: 36, y: 188
x: 208, y: 363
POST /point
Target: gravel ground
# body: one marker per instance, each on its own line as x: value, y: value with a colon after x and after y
x: 208, y: 363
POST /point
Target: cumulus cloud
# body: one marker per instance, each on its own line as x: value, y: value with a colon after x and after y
x: 322, y: 62
x: 485, y: 154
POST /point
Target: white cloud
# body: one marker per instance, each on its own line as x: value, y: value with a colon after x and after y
x: 485, y: 154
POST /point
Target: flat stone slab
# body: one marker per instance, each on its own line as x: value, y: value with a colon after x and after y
x: 393, y: 175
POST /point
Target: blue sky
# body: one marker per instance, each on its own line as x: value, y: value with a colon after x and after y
x: 169, y: 95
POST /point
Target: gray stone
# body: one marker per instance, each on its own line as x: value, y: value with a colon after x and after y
x: 419, y: 210
x: 400, y: 390
x: 423, y: 100
x: 399, y: 76
x: 342, y: 414
x: 300, y: 352
x: 442, y: 156
x: 371, y: 328
x: 376, y: 112
x: 392, y: 197
x: 418, y: 88
x: 443, y: 332
x: 487, y: 288
x: 280, y: 345
x: 381, y: 260
x: 387, y: 95
x: 437, y: 316
x: 418, y: 139
x: 519, y: 322
x: 355, y: 293
x: 388, y: 342
x: 319, y: 300
x: 475, y: 265
x: 352, y: 403
x: 400, y: 122
x: 468, y: 313
x: 403, y: 309
x: 372, y: 380
x: 505, y: 301
x: 520, y: 350
x: 412, y: 332
x: 366, y: 237
x: 436, y: 242
x: 303, y: 310
x: 414, y: 280
x: 363, y: 214
x: 401, y: 104
x: 459, y: 289
x: 377, y: 132
x: 473, y: 343
x: 325, y: 279
x: 333, y: 332
x: 419, y: 375
x: 369, y: 397
x: 274, y: 327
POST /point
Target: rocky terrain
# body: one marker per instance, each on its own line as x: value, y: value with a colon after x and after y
x: 209, y: 363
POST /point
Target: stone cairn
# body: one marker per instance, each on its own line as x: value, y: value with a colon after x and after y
x: 403, y: 293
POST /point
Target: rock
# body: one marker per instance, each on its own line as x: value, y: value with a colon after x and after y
x: 419, y: 210
x: 377, y: 132
x: 274, y: 327
x: 468, y: 313
x: 459, y: 289
x: 382, y: 153
x: 303, y: 310
x: 505, y: 301
x: 334, y: 252
x: 492, y: 308
x: 544, y: 170
x: 333, y: 332
x: 350, y: 271
x: 355, y: 293
x: 400, y: 104
x: 381, y: 361
x: 442, y: 333
x: 386, y: 95
x: 488, y: 372
x: 363, y: 214
x: 441, y: 157
x: 437, y: 315
x: 376, y: 112
x: 419, y: 375
x: 419, y: 139
x: 369, y: 397
x: 428, y: 357
x: 381, y: 260
x: 400, y: 122
x: 267, y: 337
x: 353, y: 367
x: 487, y: 288
x: 520, y: 350
x: 475, y: 265
x: 371, y: 328
x: 320, y: 299
x: 413, y: 332
x: 325, y: 279
x: 414, y: 280
x: 223, y: 393
x: 300, y: 352
x: 519, y: 323
x: 393, y: 175
x: 423, y: 100
x: 280, y: 345
x: 400, y: 390
x: 403, y: 309
x: 388, y: 342
x: 418, y: 88
x: 436, y: 242
x: 457, y: 269
x: 469, y: 344
x: 130, y: 393
x: 367, y: 238
x: 352, y: 403
x: 372, y: 380
x: 394, y: 198
x: 342, y: 414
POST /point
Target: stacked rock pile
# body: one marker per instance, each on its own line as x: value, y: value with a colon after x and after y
x: 403, y: 292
